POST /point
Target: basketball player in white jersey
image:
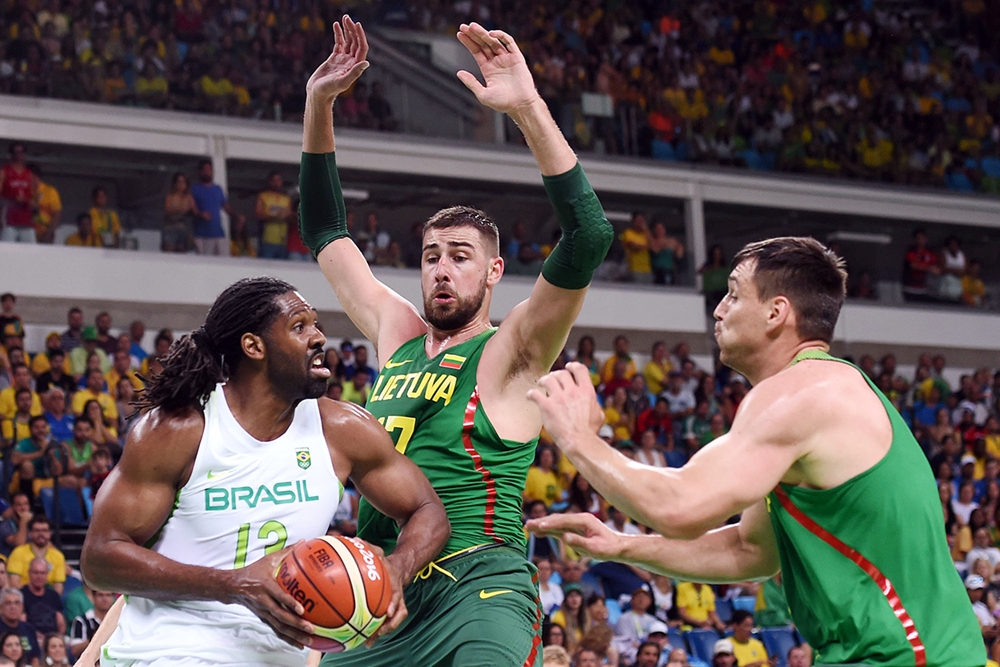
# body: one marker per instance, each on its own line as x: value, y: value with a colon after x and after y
x: 234, y: 462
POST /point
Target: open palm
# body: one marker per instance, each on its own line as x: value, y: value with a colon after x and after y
x: 345, y: 64
x: 509, y: 84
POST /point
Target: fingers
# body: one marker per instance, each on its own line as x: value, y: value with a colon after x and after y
x: 505, y: 40
x: 484, y: 39
x: 289, y: 627
x: 393, y: 620
x: 556, y: 381
x: 579, y: 373
x: 474, y: 48
x: 349, y: 34
x: 362, y: 42
x: 560, y: 523
x: 338, y: 38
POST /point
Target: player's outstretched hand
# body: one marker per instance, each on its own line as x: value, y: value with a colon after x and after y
x: 568, y: 405
x: 509, y: 84
x: 583, y: 532
x: 256, y: 588
x: 345, y: 64
x: 397, y: 611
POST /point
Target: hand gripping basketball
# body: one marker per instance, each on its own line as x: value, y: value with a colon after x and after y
x: 345, y: 588
x: 256, y: 588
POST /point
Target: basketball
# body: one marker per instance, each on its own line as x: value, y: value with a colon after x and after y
x: 343, y: 587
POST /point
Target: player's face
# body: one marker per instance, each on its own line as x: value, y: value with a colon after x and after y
x: 295, y: 350
x: 740, y: 318
x: 455, y: 273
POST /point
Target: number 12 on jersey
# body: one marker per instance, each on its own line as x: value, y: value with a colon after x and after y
x: 405, y: 425
x: 270, y: 530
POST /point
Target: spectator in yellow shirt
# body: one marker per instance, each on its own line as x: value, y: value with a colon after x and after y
x: 93, y: 392
x: 122, y: 369
x: 49, y: 211
x: 621, y: 353
x: 636, y: 242
x: 105, y: 220
x: 273, y: 211
x: 151, y: 88
x: 749, y: 652
x: 696, y: 606
x: 657, y: 369
x: 543, y: 482
x: 20, y: 380
x: 84, y: 235
x: 18, y: 427
x: 217, y: 92
x: 973, y: 287
x: 39, y: 546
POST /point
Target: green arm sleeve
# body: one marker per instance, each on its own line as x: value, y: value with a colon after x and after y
x: 586, y: 233
x: 322, y: 213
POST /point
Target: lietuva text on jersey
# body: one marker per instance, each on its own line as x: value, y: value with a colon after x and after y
x: 432, y: 386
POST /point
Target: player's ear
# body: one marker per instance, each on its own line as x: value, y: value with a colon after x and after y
x: 780, y: 313
x: 495, y: 271
x: 253, y: 346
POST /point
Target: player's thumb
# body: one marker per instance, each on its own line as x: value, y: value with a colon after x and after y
x: 357, y: 70
x: 472, y: 83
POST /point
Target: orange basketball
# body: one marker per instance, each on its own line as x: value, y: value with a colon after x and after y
x: 343, y: 587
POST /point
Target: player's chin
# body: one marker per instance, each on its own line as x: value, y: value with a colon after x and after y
x: 314, y: 388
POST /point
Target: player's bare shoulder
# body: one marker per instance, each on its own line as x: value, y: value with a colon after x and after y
x: 352, y: 433
x: 165, y: 443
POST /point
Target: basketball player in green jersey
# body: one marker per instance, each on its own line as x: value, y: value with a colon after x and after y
x: 832, y: 486
x: 452, y: 388
x: 236, y: 457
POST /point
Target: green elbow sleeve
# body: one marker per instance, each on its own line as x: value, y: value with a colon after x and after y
x: 322, y: 213
x: 586, y: 233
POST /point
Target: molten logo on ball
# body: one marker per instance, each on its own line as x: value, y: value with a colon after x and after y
x: 343, y: 587
x: 291, y: 585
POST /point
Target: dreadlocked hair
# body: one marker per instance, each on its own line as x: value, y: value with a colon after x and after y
x: 198, y: 361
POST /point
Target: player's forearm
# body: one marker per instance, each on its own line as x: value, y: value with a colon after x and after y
x: 91, y: 655
x: 317, y: 125
x: 544, y: 138
x: 718, y: 557
x: 421, y: 539
x: 641, y: 492
x: 126, y: 567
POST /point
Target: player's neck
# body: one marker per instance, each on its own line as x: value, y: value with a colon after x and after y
x: 258, y: 410
x: 778, y: 357
x: 438, y: 340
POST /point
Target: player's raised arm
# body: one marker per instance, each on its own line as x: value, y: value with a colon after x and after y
x: 383, y: 316
x: 540, y: 325
x: 137, y: 501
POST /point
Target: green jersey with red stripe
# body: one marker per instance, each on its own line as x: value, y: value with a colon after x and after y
x: 866, y: 566
x: 431, y: 409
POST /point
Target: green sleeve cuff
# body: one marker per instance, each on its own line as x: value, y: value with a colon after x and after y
x: 322, y: 212
x: 586, y: 233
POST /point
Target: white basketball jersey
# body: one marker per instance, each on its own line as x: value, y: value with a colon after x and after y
x: 244, y: 499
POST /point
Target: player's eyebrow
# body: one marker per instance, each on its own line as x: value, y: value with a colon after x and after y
x: 451, y: 244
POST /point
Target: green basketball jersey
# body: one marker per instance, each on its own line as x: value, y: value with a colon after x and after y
x: 866, y: 567
x: 431, y: 409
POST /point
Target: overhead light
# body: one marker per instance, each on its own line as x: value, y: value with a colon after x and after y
x: 860, y: 237
x: 359, y: 195
x: 618, y: 216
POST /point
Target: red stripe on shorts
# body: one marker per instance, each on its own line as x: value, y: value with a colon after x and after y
x: 477, y: 460
x: 536, y: 642
x: 912, y: 636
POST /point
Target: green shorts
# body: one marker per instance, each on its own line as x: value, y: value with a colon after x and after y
x: 475, y: 609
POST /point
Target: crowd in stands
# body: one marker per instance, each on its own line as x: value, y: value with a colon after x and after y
x: 902, y: 92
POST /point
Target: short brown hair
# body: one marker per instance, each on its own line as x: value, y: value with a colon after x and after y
x: 466, y: 216
x: 805, y: 271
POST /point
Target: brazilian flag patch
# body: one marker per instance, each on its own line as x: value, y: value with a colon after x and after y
x: 452, y: 361
x: 303, y: 458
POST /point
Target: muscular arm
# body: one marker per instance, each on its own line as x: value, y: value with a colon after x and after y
x: 392, y: 483
x: 383, y: 316
x: 536, y: 330
x: 743, y: 552
x: 140, y: 494
x: 724, y: 478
